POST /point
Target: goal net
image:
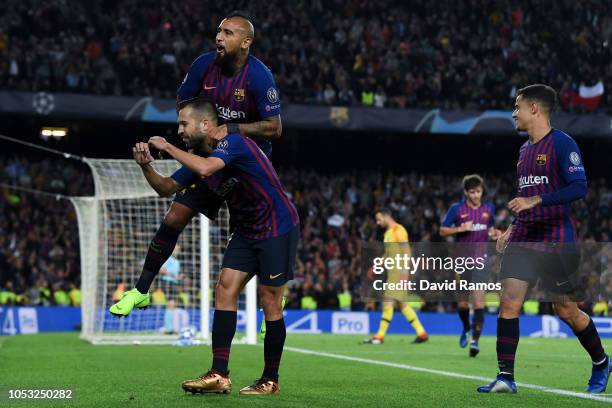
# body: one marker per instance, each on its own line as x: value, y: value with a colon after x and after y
x: 116, y: 226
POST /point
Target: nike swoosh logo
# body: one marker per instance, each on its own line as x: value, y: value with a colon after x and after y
x: 275, y: 276
x: 561, y: 283
x: 208, y: 88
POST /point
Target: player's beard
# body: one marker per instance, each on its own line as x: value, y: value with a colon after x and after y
x: 203, y: 147
x: 227, y: 62
x: 196, y: 141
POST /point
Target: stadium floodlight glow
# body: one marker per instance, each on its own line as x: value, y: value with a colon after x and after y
x: 54, y: 131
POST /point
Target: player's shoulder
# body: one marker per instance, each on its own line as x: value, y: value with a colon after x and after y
x: 231, y: 139
x: 257, y: 66
x: 204, y: 60
x: 561, y: 138
x: 399, y: 228
x: 456, y: 205
x: 259, y: 75
x: 490, y: 205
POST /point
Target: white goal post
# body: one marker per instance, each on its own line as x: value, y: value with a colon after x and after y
x: 116, y: 226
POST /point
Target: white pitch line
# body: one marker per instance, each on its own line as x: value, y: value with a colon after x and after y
x: 595, y: 397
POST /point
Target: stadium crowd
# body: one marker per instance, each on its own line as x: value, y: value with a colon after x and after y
x: 39, y: 259
x: 468, y: 54
x: 39, y: 247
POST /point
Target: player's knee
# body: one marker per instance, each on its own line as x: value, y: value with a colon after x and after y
x: 271, y: 302
x: 463, y: 304
x: 177, y: 218
x: 225, y: 292
x: 568, y: 312
x: 509, y: 310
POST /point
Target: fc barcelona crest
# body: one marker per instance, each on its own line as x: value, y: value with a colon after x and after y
x: 239, y: 94
x: 541, y: 159
x: 485, y: 216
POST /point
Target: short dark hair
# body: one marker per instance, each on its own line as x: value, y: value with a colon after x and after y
x: 201, y: 104
x: 385, y: 211
x: 542, y: 94
x: 472, y: 181
x: 245, y: 15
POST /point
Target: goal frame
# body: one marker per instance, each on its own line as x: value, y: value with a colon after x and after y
x: 94, y: 249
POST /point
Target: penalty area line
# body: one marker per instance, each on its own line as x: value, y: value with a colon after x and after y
x: 583, y: 395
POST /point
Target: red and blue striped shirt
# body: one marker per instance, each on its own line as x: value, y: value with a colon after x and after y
x: 471, y: 243
x: 258, y: 205
x: 482, y: 218
x: 547, y: 169
x: 249, y: 96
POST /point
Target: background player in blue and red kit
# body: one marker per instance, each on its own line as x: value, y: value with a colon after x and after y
x: 471, y: 221
x: 550, y: 176
x: 243, y: 90
x: 264, y: 243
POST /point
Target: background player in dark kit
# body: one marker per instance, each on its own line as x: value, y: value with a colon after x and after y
x: 471, y: 221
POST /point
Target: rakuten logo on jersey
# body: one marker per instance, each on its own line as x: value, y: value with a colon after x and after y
x: 532, y: 181
x: 228, y: 114
x: 478, y: 227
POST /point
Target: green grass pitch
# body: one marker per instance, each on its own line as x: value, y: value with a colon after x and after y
x: 150, y: 376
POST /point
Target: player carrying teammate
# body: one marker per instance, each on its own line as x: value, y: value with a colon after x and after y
x: 396, y: 242
x: 471, y: 221
x: 264, y: 243
x: 247, y: 100
x: 539, y: 244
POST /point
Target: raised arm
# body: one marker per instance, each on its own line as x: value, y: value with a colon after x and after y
x: 269, y: 128
x: 164, y: 186
x: 202, y: 166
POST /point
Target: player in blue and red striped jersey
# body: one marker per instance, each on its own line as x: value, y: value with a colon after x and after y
x: 539, y: 244
x: 240, y: 85
x: 264, y: 243
x: 245, y: 95
x: 242, y: 89
x: 471, y: 221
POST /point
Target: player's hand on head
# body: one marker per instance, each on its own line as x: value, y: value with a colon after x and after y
x: 217, y: 133
x: 159, y: 143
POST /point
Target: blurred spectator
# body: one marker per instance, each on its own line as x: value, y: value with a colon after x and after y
x: 441, y: 54
x: 45, y: 247
x: 40, y: 258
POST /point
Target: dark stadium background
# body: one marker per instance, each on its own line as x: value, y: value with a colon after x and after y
x: 324, y: 150
x: 432, y: 55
